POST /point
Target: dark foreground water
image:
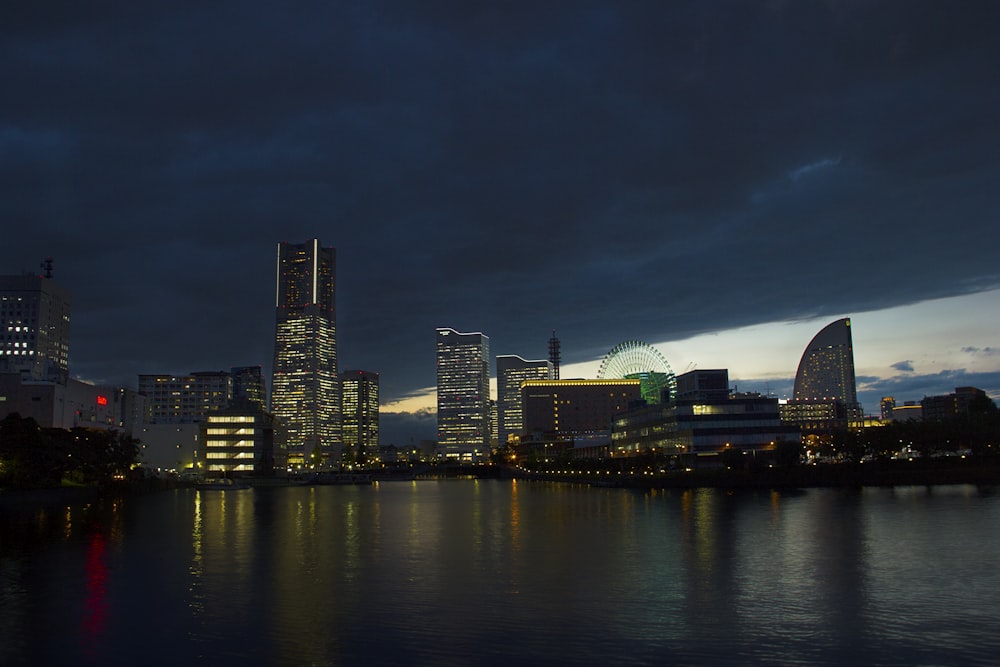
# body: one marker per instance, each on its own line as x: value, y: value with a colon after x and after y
x: 505, y: 573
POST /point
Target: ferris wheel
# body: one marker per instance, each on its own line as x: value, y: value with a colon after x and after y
x: 634, y: 359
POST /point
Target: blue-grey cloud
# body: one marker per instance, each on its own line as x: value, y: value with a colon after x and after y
x: 906, y: 366
x: 612, y: 171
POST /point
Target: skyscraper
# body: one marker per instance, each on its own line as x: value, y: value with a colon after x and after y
x: 359, y: 391
x: 825, y: 395
x: 305, y: 388
x: 463, y: 395
x: 34, y: 328
x: 826, y: 371
x: 512, y: 370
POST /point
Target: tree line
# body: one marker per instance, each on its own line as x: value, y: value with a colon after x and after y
x: 35, y: 457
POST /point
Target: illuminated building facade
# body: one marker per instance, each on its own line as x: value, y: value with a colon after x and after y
x: 248, y: 385
x: 825, y: 395
x: 463, y: 395
x: 305, y: 387
x: 34, y: 328
x: 239, y: 441
x: 359, y: 392
x: 512, y: 371
x: 576, y: 407
x: 705, y: 421
x: 184, y: 399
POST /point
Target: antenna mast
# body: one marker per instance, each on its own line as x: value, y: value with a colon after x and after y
x: 554, y: 353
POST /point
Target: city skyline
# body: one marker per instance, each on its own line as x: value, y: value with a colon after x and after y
x: 661, y: 173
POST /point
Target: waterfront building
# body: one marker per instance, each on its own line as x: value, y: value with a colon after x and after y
x: 512, y: 372
x: 238, y: 441
x: 248, y: 385
x: 184, y: 399
x: 704, y: 423
x: 305, y: 387
x: 360, y: 395
x: 463, y: 395
x: 34, y: 328
x: 825, y: 393
x: 576, y: 408
x: 71, y: 404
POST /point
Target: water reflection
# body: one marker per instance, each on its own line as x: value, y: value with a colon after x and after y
x: 436, y: 573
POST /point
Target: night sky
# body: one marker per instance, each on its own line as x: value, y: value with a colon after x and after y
x: 659, y: 171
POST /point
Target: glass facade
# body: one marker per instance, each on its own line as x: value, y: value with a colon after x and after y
x: 305, y: 387
x: 359, y: 391
x: 463, y: 395
x: 826, y: 371
x: 512, y: 371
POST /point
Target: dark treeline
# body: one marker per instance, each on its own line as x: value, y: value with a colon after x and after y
x: 32, y: 457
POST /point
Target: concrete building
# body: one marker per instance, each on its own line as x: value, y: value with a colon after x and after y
x: 950, y: 406
x: 703, y: 423
x: 182, y: 399
x: 305, y: 387
x: 512, y: 372
x: 238, y: 441
x: 360, y: 396
x: 463, y: 395
x: 71, y: 404
x: 576, y: 408
x: 34, y: 328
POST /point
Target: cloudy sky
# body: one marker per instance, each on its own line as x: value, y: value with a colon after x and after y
x: 720, y: 180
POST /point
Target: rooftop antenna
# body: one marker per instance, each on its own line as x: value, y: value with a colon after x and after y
x: 47, y: 266
x: 554, y: 353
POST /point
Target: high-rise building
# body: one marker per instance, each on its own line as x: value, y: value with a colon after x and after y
x: 463, y: 395
x: 34, y: 328
x: 305, y: 387
x: 512, y: 371
x: 248, y: 385
x: 826, y: 371
x: 185, y: 399
x: 359, y: 393
x: 825, y: 395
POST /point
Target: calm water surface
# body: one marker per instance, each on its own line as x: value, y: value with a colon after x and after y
x: 500, y: 573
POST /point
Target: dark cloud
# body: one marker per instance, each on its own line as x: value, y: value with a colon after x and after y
x: 905, y: 366
x: 643, y: 170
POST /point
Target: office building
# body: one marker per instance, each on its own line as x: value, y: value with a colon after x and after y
x: 963, y: 402
x: 575, y: 408
x: 463, y: 395
x: 305, y: 388
x: 248, y: 385
x: 359, y: 392
x: 238, y: 441
x: 34, y: 328
x: 704, y: 422
x: 512, y: 372
x: 185, y: 399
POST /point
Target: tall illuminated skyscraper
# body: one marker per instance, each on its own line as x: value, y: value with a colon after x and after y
x: 512, y: 370
x: 305, y: 388
x: 359, y: 393
x: 825, y: 395
x: 826, y: 371
x: 463, y: 395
